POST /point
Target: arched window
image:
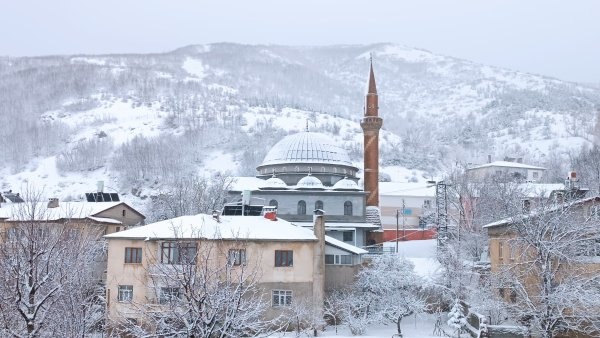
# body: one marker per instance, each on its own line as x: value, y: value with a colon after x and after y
x: 273, y: 203
x: 319, y: 205
x: 301, y: 208
x: 347, y: 208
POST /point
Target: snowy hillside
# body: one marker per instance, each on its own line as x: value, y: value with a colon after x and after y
x: 138, y: 121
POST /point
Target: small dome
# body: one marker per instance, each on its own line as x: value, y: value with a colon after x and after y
x: 307, y: 147
x: 274, y: 183
x: 345, y: 184
x: 310, y: 182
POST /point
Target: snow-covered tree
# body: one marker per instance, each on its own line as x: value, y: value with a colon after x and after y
x: 456, y: 318
x: 47, y: 282
x: 550, y: 282
x: 213, y: 291
x: 391, y: 288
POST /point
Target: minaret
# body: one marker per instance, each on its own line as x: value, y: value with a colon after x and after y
x: 370, y: 124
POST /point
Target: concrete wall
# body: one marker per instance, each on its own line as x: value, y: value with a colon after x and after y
x: 260, y: 258
x: 340, y: 276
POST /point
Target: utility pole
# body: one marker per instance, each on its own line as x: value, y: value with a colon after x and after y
x: 403, y: 220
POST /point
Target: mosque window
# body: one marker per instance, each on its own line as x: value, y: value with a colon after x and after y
x: 297, y: 168
x: 319, y: 205
x: 347, y: 208
x: 301, y: 208
x: 273, y: 203
x: 322, y: 169
x: 284, y: 169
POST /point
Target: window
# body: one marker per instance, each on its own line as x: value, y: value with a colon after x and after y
x: 526, y: 206
x: 133, y: 255
x: 348, y: 236
x: 301, y: 208
x: 124, y: 212
x: 338, y: 259
x: 319, y: 205
x: 282, y: 297
x: 169, y: 294
x: 512, y: 252
x: 595, y: 211
x: 284, y: 258
x: 347, y: 208
x: 178, y: 253
x: 125, y: 293
x: 273, y: 203
x: 500, y: 250
x: 117, y: 229
x: 236, y: 257
x: 426, y: 204
x: 513, y: 295
x: 536, y: 174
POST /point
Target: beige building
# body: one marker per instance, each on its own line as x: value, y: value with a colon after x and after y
x: 570, y: 228
x: 288, y: 261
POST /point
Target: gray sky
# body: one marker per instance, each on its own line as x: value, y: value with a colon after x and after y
x: 550, y: 37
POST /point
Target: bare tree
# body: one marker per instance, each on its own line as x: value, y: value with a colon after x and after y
x: 551, y: 276
x: 203, y: 288
x: 47, y: 286
x: 190, y: 196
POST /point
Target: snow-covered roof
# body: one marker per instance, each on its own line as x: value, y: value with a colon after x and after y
x: 229, y: 227
x: 310, y: 182
x: 274, y: 183
x: 540, y: 211
x: 408, y: 189
x: 507, y: 165
x: 307, y: 147
x: 105, y: 220
x: 535, y: 190
x: 345, y: 184
x: 344, y: 246
x: 339, y: 226
x: 40, y: 211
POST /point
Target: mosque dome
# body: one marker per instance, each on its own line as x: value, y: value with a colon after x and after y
x: 310, y: 182
x: 306, y: 147
x: 274, y: 183
x: 345, y: 184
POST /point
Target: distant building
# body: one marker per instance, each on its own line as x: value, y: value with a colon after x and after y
x: 409, y: 208
x: 507, y: 170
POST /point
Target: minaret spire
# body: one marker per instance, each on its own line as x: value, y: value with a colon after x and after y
x: 371, y: 124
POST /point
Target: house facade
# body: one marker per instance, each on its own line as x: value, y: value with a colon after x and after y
x: 507, y: 170
x: 289, y: 262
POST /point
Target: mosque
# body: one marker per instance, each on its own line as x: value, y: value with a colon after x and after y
x: 308, y: 171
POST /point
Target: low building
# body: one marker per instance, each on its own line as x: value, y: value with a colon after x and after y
x: 290, y: 261
x: 406, y: 210
x: 507, y: 170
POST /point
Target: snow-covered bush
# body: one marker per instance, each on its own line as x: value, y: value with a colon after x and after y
x: 456, y: 317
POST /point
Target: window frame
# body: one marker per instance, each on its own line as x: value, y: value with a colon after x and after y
x: 348, y: 208
x: 345, y: 235
x: 168, y: 294
x: 284, y: 258
x: 319, y: 205
x: 236, y: 257
x: 131, y: 253
x: 301, y: 207
x: 125, y: 293
x: 174, y: 250
x: 281, y: 298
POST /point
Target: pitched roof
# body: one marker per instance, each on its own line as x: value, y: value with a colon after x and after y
x: 203, y: 226
x: 39, y: 211
x: 507, y: 164
x: 537, y: 212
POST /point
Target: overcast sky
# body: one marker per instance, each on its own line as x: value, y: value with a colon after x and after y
x: 550, y: 37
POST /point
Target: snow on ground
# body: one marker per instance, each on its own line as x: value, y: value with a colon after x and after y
x: 195, y: 67
x: 219, y: 161
x: 421, y: 253
x: 420, y: 326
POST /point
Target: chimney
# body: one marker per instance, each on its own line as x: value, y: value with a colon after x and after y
x: 489, y: 158
x: 319, y: 263
x: 53, y: 202
x: 100, y: 186
x: 216, y: 215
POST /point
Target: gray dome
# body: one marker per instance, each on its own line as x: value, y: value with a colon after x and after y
x: 345, y: 184
x: 274, y: 183
x: 307, y: 147
x: 309, y: 182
